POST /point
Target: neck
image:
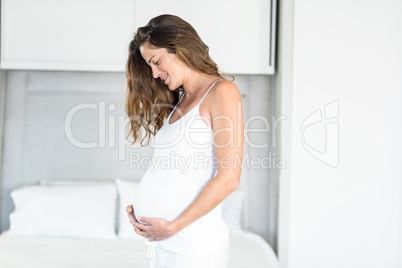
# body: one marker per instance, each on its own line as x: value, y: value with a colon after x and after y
x: 197, y: 84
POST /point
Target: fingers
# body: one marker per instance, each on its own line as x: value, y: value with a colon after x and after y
x: 131, y: 216
x: 132, y: 220
x: 145, y: 221
x: 141, y: 232
x: 140, y: 226
x: 146, y: 235
x: 130, y: 209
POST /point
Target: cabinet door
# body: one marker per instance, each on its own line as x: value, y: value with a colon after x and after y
x: 66, y: 35
x: 239, y: 33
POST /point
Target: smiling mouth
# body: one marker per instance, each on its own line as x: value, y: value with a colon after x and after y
x: 164, y: 78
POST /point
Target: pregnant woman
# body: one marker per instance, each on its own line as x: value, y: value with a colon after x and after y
x: 176, y: 93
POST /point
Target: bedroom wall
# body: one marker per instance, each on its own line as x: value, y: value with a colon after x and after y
x: 37, y: 147
x: 340, y: 84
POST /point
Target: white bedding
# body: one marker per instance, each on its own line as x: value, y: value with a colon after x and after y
x: 246, y: 250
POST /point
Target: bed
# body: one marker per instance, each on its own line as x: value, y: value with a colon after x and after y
x: 83, y: 224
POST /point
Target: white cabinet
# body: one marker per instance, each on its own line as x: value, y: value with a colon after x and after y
x: 94, y: 35
x: 240, y: 34
x: 66, y: 35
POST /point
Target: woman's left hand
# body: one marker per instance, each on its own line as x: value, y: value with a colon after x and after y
x: 157, y: 230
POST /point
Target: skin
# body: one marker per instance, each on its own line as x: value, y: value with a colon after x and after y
x: 223, y: 105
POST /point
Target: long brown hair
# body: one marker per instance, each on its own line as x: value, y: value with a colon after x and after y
x: 143, y: 91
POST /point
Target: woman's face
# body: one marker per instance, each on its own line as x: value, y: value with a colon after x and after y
x: 165, y: 66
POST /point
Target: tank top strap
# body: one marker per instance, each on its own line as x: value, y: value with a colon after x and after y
x: 210, y: 89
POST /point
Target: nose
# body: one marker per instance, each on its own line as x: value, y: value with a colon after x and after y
x: 155, y: 72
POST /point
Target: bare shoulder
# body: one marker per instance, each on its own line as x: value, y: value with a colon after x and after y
x: 225, y: 92
x: 225, y: 101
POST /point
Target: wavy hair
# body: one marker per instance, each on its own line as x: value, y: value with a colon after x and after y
x: 149, y: 101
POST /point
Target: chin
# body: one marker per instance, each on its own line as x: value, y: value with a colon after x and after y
x: 172, y: 88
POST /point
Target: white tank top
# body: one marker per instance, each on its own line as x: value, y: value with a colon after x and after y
x: 183, y: 164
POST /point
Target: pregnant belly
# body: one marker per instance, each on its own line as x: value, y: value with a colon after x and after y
x: 164, y: 195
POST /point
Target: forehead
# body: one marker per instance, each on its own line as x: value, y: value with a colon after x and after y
x: 147, y: 51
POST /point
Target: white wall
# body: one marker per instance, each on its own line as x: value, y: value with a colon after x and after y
x: 347, y: 55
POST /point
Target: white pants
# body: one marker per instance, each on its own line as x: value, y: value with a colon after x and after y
x: 162, y: 258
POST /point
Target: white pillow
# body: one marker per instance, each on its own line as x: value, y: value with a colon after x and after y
x: 127, y: 191
x: 65, y: 211
x: 81, y: 182
x: 232, y: 211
